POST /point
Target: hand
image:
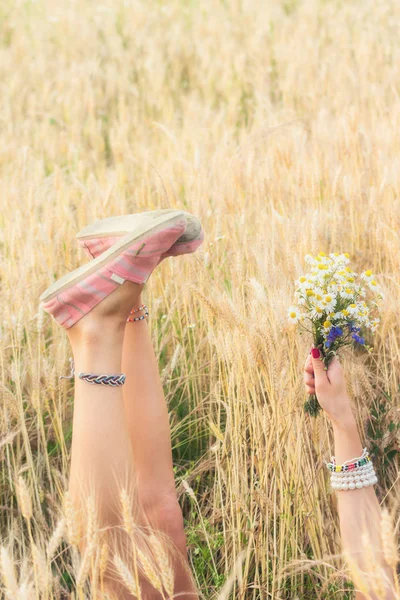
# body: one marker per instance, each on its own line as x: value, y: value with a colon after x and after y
x: 329, y: 387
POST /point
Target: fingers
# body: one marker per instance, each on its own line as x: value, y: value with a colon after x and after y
x: 310, y: 385
x: 309, y: 380
x: 309, y: 368
x: 335, y: 371
x: 321, y: 379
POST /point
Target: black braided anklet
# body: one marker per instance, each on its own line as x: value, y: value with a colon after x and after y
x: 113, y: 380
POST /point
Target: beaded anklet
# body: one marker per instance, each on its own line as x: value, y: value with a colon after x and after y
x: 113, y: 380
x: 143, y: 308
x: 355, y: 473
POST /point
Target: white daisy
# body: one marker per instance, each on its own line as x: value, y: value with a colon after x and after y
x: 373, y: 325
x: 317, y: 311
x: 342, y: 315
x: 373, y: 285
x: 294, y: 314
x: 367, y: 275
x: 318, y: 294
x: 362, y: 310
x: 343, y: 258
x: 320, y: 269
x: 339, y: 275
x: 346, y: 292
x: 333, y: 288
x: 303, y: 283
x: 322, y: 258
x: 329, y: 302
x: 361, y: 291
x: 353, y: 308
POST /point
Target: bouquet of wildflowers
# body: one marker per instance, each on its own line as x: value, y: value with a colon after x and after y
x: 336, y: 306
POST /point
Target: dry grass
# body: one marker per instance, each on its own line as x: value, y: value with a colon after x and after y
x: 277, y: 123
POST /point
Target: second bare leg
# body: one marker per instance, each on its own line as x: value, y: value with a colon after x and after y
x: 149, y: 429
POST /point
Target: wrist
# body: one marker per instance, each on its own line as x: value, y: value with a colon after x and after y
x: 347, y: 441
x: 344, y: 423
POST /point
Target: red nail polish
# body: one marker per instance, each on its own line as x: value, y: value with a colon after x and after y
x: 316, y: 353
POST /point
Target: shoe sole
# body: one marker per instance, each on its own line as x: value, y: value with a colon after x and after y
x: 116, y: 226
x: 140, y: 232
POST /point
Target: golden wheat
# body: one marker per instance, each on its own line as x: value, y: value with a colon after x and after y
x: 126, y: 575
x: 277, y: 124
x: 162, y: 556
x: 71, y: 520
x: 8, y: 573
x: 55, y: 538
x: 24, y: 499
x: 149, y: 569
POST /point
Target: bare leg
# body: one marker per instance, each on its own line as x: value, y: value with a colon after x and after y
x: 149, y: 429
x: 101, y: 448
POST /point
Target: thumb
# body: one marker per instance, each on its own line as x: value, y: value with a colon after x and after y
x: 319, y: 368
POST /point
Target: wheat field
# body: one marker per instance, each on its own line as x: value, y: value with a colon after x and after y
x: 277, y: 124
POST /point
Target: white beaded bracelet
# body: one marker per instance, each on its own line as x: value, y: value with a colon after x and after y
x: 353, y: 474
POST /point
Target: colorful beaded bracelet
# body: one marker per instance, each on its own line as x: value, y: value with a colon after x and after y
x: 351, y: 464
x: 131, y: 318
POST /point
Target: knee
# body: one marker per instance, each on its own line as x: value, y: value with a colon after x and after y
x: 164, y: 513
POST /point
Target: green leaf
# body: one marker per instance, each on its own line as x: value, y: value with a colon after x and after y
x: 390, y: 455
x: 312, y: 407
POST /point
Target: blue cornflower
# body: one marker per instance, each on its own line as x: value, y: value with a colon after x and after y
x: 358, y: 339
x: 334, y: 333
x: 353, y: 328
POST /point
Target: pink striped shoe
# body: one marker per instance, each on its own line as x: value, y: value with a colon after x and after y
x: 101, y: 235
x: 132, y: 258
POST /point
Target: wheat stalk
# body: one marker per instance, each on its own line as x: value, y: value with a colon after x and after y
x: 357, y: 575
x: 126, y: 505
x: 126, y: 575
x: 24, y: 498
x: 164, y: 563
x: 84, y: 566
x: 56, y: 538
x: 71, y: 521
x: 374, y: 571
x: 149, y: 570
x: 104, y: 557
x: 8, y: 573
x: 389, y: 546
x: 41, y: 567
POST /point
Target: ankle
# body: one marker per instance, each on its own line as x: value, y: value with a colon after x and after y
x: 97, y: 345
x: 138, y: 302
x: 95, y: 331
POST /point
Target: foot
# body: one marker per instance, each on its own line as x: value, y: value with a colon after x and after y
x: 132, y: 259
x: 109, y: 316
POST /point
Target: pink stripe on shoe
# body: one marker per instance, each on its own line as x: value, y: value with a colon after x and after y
x: 137, y: 263
x: 72, y: 304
